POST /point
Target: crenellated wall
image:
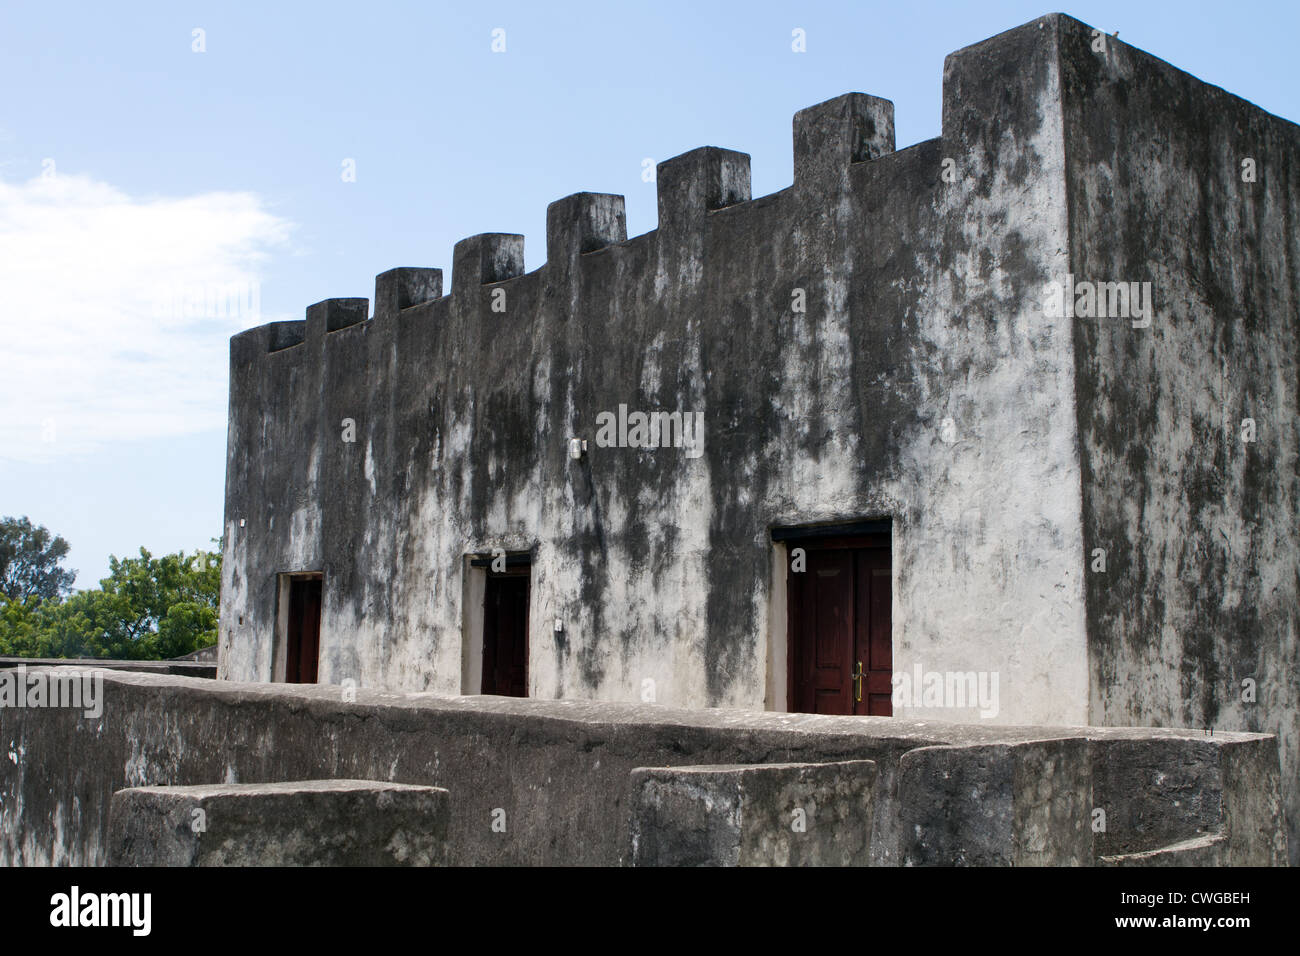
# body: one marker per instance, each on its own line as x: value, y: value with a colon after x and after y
x: 925, y: 382
x: 659, y: 563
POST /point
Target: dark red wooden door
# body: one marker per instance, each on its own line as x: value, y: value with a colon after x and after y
x: 505, y: 634
x: 821, y: 598
x: 874, y: 647
x: 302, y: 656
x: 840, y: 650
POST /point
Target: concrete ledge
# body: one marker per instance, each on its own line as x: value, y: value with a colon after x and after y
x: 1205, y: 800
x: 300, y: 823
x: 178, y: 667
x: 787, y: 814
x: 1021, y: 804
x: 546, y: 782
x: 1207, y: 850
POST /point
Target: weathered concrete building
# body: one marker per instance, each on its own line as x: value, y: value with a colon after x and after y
x: 1000, y: 427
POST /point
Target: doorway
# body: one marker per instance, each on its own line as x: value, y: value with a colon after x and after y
x: 839, y: 599
x: 505, y: 631
x: 302, y: 627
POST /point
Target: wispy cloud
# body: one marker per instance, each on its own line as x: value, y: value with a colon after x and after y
x: 116, y: 310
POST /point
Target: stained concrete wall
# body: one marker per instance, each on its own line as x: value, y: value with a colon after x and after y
x: 919, y: 385
x: 557, y: 774
x: 925, y: 383
x: 804, y: 814
x: 297, y: 823
x: 1199, y: 526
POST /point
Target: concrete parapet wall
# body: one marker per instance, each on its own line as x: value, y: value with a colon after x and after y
x: 298, y: 823
x: 182, y: 667
x: 547, y: 782
x: 803, y: 814
x: 1024, y: 804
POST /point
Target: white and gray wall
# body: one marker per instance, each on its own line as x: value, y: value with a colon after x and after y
x: 924, y: 383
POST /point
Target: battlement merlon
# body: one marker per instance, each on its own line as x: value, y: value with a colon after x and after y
x: 693, y: 184
x: 330, y: 315
x: 486, y: 258
x: 405, y: 288
x: 831, y: 136
x: 582, y: 223
x: 252, y: 344
x: 1008, y: 77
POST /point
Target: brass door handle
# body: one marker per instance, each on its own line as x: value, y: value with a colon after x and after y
x: 857, y: 683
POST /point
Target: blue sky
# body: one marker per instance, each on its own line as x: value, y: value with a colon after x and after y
x: 135, y: 171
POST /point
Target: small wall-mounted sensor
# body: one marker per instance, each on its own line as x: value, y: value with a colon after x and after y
x: 577, y: 448
x: 241, y: 522
x: 559, y: 625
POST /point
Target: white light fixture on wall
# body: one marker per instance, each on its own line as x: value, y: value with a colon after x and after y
x: 577, y: 448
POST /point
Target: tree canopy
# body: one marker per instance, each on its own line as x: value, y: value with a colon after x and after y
x: 30, y: 561
x: 146, y: 609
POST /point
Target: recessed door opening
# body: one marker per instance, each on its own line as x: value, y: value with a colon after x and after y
x: 839, y: 595
x: 298, y: 649
x: 497, y: 622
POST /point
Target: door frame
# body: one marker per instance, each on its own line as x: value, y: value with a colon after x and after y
x: 280, y: 651
x: 518, y: 572
x: 473, y: 592
x: 870, y: 533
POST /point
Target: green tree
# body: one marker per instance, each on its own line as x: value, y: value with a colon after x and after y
x: 146, y: 609
x: 31, y: 561
x: 21, y: 633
